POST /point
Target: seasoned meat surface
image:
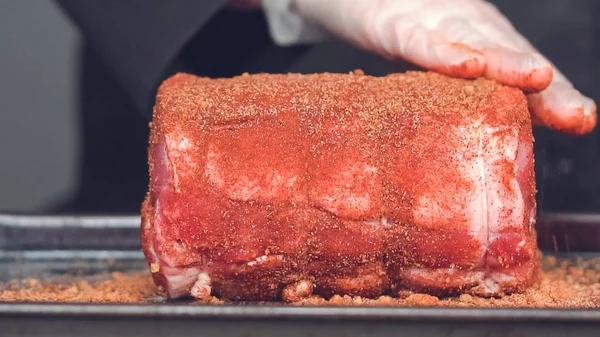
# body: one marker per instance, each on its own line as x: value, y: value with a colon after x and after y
x: 266, y: 187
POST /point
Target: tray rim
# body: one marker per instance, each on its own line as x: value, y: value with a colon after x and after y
x: 317, y: 313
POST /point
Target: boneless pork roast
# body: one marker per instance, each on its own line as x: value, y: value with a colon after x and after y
x: 266, y: 187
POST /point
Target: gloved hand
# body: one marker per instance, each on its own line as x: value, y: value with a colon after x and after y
x: 461, y: 38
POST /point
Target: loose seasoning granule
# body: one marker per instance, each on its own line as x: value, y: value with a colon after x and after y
x: 562, y: 284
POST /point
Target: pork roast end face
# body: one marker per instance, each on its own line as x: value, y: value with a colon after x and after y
x: 265, y: 187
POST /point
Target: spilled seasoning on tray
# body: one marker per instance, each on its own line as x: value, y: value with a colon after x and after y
x: 562, y: 284
x: 119, y: 288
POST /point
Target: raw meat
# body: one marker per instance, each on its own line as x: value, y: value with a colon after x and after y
x: 267, y: 187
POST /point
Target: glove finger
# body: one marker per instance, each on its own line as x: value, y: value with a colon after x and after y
x: 530, y: 72
x: 505, y: 64
x: 431, y: 50
x: 563, y: 108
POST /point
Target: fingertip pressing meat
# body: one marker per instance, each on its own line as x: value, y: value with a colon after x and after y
x: 270, y: 187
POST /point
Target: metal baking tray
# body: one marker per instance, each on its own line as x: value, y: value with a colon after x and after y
x: 89, y: 246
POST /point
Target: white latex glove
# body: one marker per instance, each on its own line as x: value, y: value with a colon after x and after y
x: 461, y: 38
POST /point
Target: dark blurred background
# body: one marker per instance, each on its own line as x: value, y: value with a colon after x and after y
x: 72, y: 142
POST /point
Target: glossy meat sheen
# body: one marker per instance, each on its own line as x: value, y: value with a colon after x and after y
x: 271, y: 186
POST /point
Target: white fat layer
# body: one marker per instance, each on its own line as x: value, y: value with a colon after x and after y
x: 495, y: 201
x: 505, y: 204
x: 492, y: 283
x: 341, y: 194
x: 244, y: 188
x: 179, y: 280
x: 470, y: 204
x: 383, y: 222
x: 435, y: 274
x: 214, y: 175
x: 265, y: 258
x: 179, y: 153
x: 201, y: 288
